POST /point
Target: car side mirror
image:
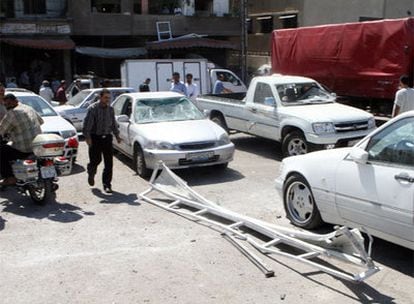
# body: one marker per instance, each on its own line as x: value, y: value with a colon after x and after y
x: 358, y: 155
x: 122, y: 118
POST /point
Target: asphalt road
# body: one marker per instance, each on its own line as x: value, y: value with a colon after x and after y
x: 90, y: 247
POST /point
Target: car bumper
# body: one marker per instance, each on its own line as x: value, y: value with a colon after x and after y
x: 175, y: 159
x: 337, y: 139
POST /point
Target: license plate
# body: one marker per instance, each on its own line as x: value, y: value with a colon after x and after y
x: 48, y: 172
x: 200, y: 156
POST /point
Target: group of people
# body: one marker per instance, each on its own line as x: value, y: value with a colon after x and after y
x: 189, y: 88
x: 48, y: 93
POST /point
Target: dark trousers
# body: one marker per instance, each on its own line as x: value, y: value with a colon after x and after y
x: 7, y: 155
x: 101, y: 146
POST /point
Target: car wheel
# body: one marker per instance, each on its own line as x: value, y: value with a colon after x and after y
x: 219, y: 119
x: 299, y: 203
x: 295, y: 144
x: 139, y: 163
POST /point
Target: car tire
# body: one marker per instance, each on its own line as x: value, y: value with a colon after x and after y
x: 139, y: 163
x: 299, y: 203
x: 219, y: 119
x: 295, y: 143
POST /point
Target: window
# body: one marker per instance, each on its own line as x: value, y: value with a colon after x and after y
x: 106, y: 6
x: 34, y: 7
x: 264, y: 95
x: 266, y: 24
x: 394, y: 145
x: 228, y: 77
x: 119, y: 105
x: 289, y: 21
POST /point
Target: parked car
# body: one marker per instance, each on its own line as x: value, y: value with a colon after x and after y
x: 75, y: 109
x: 53, y: 122
x: 169, y: 127
x: 295, y: 111
x: 369, y: 185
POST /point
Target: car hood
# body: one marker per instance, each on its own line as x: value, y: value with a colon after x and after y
x: 181, y: 131
x: 330, y: 112
x: 53, y: 124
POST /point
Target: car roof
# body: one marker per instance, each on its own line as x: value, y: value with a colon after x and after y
x: 22, y: 93
x: 110, y: 89
x: 284, y: 79
x: 151, y: 95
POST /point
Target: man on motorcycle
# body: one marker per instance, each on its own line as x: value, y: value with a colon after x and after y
x: 22, y: 124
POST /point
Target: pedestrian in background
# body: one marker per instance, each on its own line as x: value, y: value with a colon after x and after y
x: 45, y: 91
x: 3, y: 110
x: 98, y: 127
x: 177, y: 85
x: 404, y: 98
x: 192, y: 88
x: 61, y: 93
x: 144, y: 87
x: 77, y: 88
x: 219, y: 86
x: 12, y: 83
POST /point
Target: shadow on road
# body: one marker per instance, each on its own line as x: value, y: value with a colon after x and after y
x: 55, y: 211
x: 77, y: 169
x: 260, y: 146
x: 116, y: 197
x: 2, y: 223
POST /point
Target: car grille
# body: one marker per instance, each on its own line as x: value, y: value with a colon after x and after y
x: 183, y: 161
x: 351, y: 126
x: 197, y: 146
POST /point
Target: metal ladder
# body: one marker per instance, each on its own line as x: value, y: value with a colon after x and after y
x: 172, y: 194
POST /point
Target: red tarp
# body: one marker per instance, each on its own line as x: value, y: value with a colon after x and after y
x: 362, y: 59
x: 41, y: 43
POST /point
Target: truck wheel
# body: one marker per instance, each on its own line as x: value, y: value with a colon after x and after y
x: 295, y: 143
x: 219, y: 119
x: 139, y: 163
x: 299, y: 203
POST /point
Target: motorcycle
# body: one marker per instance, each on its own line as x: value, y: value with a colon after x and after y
x: 38, y: 174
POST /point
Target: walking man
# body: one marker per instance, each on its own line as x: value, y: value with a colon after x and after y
x: 99, y: 125
x: 404, y: 98
x: 177, y: 85
x: 192, y: 88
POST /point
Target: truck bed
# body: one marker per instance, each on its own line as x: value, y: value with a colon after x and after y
x: 237, y: 98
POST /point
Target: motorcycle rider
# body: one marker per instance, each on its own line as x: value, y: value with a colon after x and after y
x: 22, y: 124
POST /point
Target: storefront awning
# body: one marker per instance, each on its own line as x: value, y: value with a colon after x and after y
x: 195, y: 42
x: 120, y: 53
x: 64, y: 43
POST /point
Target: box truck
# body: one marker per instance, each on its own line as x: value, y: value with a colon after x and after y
x: 134, y: 72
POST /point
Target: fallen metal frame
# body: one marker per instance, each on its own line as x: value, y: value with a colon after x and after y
x: 342, y: 245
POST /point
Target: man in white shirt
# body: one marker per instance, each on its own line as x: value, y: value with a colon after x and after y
x: 404, y: 98
x: 192, y: 88
x: 46, y: 92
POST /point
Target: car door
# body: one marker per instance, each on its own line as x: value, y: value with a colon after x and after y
x: 119, y: 105
x: 380, y: 193
x: 263, y: 118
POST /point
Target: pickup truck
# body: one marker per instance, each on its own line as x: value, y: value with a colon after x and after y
x: 296, y: 111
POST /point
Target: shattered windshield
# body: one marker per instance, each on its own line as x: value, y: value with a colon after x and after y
x: 303, y: 93
x: 165, y: 109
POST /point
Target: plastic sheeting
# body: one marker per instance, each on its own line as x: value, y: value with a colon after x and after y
x: 362, y: 59
x: 120, y: 53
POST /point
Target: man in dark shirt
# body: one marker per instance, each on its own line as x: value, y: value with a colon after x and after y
x: 98, y: 127
x: 144, y: 87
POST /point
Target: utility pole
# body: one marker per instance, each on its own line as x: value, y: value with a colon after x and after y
x: 243, y: 39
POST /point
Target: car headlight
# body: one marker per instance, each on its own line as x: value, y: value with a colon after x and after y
x: 160, y: 145
x: 323, y: 127
x: 371, y: 123
x: 223, y: 140
x: 68, y: 133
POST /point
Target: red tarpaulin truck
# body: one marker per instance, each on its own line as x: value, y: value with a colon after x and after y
x: 362, y: 60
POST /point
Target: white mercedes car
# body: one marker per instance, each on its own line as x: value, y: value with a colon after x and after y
x: 167, y: 126
x: 53, y: 122
x: 370, y: 185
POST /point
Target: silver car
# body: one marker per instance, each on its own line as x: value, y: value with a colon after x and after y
x: 75, y: 109
x: 169, y: 127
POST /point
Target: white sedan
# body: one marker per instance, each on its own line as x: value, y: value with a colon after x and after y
x: 167, y: 126
x: 370, y: 185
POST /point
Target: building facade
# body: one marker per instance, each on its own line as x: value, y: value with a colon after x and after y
x: 267, y: 15
x: 60, y: 38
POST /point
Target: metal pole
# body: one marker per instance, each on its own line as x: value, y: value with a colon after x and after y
x: 243, y: 39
